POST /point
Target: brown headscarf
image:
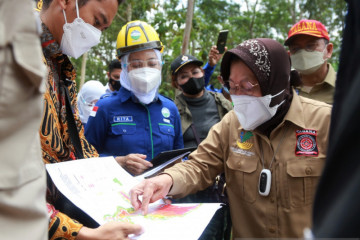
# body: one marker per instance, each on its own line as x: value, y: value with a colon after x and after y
x: 271, y: 65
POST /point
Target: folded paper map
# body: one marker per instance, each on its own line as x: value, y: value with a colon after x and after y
x: 100, y: 188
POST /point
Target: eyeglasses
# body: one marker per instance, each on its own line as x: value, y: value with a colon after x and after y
x: 151, y: 63
x: 309, y: 47
x: 244, y: 87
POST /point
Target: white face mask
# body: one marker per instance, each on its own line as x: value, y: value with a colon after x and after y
x: 78, y: 36
x: 144, y: 80
x: 254, y: 111
x: 307, y: 62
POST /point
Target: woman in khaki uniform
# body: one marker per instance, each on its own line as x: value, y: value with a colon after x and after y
x: 272, y: 147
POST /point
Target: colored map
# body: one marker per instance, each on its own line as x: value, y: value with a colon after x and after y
x: 100, y: 187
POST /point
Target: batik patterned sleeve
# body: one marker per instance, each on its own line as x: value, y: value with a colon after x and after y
x: 61, y: 226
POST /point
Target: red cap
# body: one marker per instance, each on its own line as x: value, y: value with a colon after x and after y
x: 308, y: 27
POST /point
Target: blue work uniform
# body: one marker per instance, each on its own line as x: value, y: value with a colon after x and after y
x: 121, y: 125
x: 208, y: 71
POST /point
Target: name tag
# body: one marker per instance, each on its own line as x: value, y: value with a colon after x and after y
x: 119, y: 119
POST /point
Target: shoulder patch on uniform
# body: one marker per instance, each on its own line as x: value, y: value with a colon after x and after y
x: 306, y: 144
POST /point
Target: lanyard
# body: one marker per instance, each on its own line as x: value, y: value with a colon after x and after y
x: 276, y: 150
x: 265, y: 174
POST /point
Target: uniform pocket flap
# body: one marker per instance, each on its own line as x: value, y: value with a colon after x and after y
x: 247, y: 165
x: 305, y: 168
x: 123, y: 129
x: 167, y: 129
x: 28, y: 54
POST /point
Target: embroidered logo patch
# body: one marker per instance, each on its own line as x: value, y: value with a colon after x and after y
x: 306, y: 144
x: 119, y: 119
x: 165, y: 112
x: 243, y: 144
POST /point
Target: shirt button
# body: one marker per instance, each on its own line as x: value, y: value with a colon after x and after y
x: 124, y: 130
x: 272, y: 230
x: 168, y: 130
x: 308, y: 170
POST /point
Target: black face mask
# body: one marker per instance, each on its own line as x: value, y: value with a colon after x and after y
x: 193, y: 86
x: 115, y: 84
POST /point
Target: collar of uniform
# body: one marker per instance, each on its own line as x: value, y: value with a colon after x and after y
x: 329, y: 79
x: 136, y: 100
x: 330, y: 76
x: 295, y: 113
x: 123, y: 94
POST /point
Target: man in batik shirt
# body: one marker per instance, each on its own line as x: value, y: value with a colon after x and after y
x: 61, y: 132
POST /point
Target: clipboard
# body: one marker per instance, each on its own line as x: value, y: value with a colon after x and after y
x: 165, y: 158
x: 167, y: 155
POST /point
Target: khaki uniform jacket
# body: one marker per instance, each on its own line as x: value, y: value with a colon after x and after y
x: 23, y: 213
x: 223, y: 106
x: 323, y: 91
x: 299, y: 144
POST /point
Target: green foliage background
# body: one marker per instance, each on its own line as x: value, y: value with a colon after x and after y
x: 244, y: 19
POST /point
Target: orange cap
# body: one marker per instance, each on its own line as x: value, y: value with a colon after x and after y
x: 308, y: 27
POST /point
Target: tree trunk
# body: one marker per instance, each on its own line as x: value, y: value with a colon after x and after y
x: 187, y: 30
x: 129, y: 12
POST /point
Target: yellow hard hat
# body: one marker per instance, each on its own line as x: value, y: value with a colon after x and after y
x: 137, y: 36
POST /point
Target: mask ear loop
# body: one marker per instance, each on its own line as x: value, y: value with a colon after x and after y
x: 276, y: 96
x: 278, y: 93
x: 325, y: 52
x: 77, y: 11
x: 65, y: 16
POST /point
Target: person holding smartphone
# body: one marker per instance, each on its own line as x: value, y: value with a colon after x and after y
x: 215, y: 54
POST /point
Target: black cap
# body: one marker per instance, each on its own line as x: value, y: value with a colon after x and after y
x: 182, y: 60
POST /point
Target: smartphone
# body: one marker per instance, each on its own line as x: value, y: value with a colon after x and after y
x: 221, y: 42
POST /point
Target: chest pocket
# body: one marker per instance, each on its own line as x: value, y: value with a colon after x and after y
x: 303, y: 176
x: 167, y: 129
x: 242, y: 176
x: 167, y: 132
x: 123, y: 129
